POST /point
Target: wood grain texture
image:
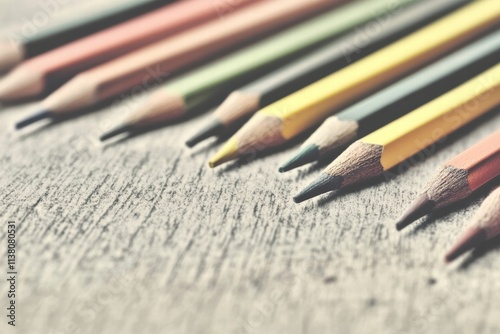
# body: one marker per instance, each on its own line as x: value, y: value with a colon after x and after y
x: 141, y: 237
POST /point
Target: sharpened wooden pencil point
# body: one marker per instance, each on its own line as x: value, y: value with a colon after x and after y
x: 321, y: 185
x: 457, y: 179
x: 358, y: 163
x: 470, y: 240
x: 307, y: 154
x: 20, y: 83
x: 419, y: 208
x: 44, y: 114
x: 115, y: 132
x: 330, y: 136
x: 227, y: 153
x: 485, y: 225
x: 214, y: 128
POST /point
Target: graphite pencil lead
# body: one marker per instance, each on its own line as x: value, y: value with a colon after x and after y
x: 419, y: 208
x: 470, y: 240
x: 306, y: 154
x: 41, y: 115
x: 115, y: 132
x: 321, y: 185
x: 214, y: 128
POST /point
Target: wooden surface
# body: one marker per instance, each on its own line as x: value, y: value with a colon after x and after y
x: 140, y: 236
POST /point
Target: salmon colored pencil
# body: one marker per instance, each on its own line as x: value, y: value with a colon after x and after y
x: 485, y: 226
x: 457, y: 179
x: 110, y: 79
x: 50, y: 69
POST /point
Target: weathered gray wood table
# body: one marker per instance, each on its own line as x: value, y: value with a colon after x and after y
x: 141, y: 237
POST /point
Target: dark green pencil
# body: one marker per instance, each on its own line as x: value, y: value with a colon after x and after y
x: 356, y: 44
x: 398, y: 99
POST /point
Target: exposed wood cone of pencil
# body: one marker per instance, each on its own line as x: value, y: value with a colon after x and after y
x: 457, y: 179
x: 485, y: 226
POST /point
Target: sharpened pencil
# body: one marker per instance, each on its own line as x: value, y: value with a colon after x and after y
x: 294, y: 114
x: 390, y: 145
x: 485, y: 226
x: 397, y: 99
x: 214, y: 81
x: 78, y: 23
x: 175, y: 53
x: 457, y: 179
x: 339, y: 53
x: 47, y: 71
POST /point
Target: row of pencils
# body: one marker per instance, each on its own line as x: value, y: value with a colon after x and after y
x: 386, y: 78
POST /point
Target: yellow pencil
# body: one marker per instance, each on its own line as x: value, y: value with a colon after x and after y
x: 296, y: 113
x: 392, y: 144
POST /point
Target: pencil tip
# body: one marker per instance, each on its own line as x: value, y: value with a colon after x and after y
x: 41, y: 115
x: 419, y: 208
x: 115, y: 132
x: 469, y: 240
x: 214, y: 128
x: 227, y: 153
x: 321, y: 185
x: 307, y: 154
